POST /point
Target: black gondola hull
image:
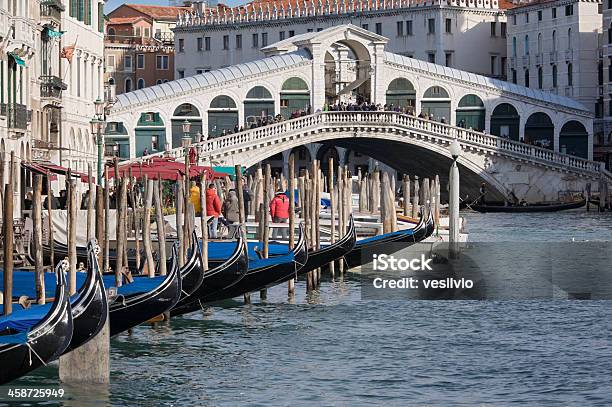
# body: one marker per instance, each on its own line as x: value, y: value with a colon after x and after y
x: 499, y: 207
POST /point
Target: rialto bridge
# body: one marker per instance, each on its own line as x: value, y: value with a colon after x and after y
x: 497, y: 123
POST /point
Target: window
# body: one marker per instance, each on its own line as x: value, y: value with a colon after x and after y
x: 255, y: 40
x: 448, y: 58
x: 154, y: 143
x: 493, y: 29
x: 570, y: 75
x: 226, y: 42
x: 409, y: 27
x: 431, y: 57
x: 514, y: 47
x: 128, y: 85
x: 181, y: 45
x: 431, y: 26
x: 319, y: 29
x: 110, y: 61
x: 514, y: 19
x: 448, y: 26
x: 493, y: 65
x: 158, y: 82
x: 137, y: 32
x: 181, y: 73
x: 140, y: 61
x: 539, y: 15
x: 309, y: 30
x: 364, y: 26
x: 539, y: 43
x: 400, y: 28
x: 609, y: 4
x: 540, y: 77
x: 526, y: 17
x: 200, y: 43
x: 379, y: 28
x: 161, y: 62
x: 526, y: 45
x: 207, y: 43
x: 503, y: 67
x: 554, y: 76
x: 199, y: 71
x: 527, y: 77
x: 502, y: 29
x: 264, y: 39
x: 140, y: 84
x: 238, y: 41
x: 569, y: 38
x: 291, y: 33
x: 609, y: 69
x: 127, y: 63
x: 147, y: 32
x: 281, y: 35
x: 514, y: 76
x: 569, y: 10
x: 554, y: 41
x: 554, y: 12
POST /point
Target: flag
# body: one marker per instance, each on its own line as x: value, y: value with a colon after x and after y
x: 68, y: 52
x: 53, y: 33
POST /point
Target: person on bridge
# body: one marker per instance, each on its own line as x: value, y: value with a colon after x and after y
x: 279, y: 210
x: 213, y: 208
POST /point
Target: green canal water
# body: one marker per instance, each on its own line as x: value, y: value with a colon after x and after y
x: 333, y: 348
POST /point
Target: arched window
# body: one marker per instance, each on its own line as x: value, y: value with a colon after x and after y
x: 128, y: 84
x: 569, y: 38
x: 111, y: 31
x: 258, y: 106
x: 140, y: 84
x: 526, y: 45
x: 111, y: 81
x: 570, y: 75
x: 514, y: 47
x: 222, y: 116
x: 539, y: 43
x: 527, y: 77
x: 471, y: 113
x: 223, y: 102
x: 158, y: 82
x: 540, y: 77
x: 436, y: 103
x: 401, y: 93
x: 294, y: 97
x: 554, y: 40
x: 554, y: 76
x: 259, y: 92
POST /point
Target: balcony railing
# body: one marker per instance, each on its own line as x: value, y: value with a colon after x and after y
x: 165, y: 37
x: 51, y: 87
x: 52, y: 9
x: 18, y: 116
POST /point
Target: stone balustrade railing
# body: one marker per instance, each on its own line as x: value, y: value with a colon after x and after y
x: 369, y: 121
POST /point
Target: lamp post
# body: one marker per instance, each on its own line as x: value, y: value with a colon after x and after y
x: 186, y: 137
x: 98, y: 126
x: 453, y: 200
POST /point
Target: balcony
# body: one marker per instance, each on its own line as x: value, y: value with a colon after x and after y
x: 18, y: 116
x: 52, y: 10
x: 166, y: 37
x: 51, y: 88
x: 553, y: 57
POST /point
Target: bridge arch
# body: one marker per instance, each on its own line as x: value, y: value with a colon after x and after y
x: 540, y: 130
x: 189, y: 112
x: 257, y: 103
x: 401, y: 93
x: 505, y: 121
x: 294, y: 96
x: 471, y: 112
x: 222, y: 115
x: 574, y: 139
x: 436, y: 102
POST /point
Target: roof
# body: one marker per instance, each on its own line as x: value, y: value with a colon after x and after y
x: 484, y: 81
x: 505, y: 4
x: 158, y: 12
x: 124, y: 20
x: 179, y: 86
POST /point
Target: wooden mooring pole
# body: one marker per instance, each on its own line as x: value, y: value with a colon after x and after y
x: 7, y: 235
x: 37, y: 239
x: 292, y: 186
x: 161, y: 229
x: 265, y: 229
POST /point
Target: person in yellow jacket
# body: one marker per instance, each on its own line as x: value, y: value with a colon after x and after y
x: 194, y: 197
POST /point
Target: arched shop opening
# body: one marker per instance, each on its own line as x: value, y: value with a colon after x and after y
x: 436, y: 103
x: 294, y: 97
x: 150, y: 134
x: 401, y: 93
x: 324, y: 154
x: 574, y: 139
x: 471, y: 113
x: 222, y: 116
x: 258, y: 104
x: 540, y: 130
x: 185, y: 112
x: 116, y: 140
x: 505, y: 122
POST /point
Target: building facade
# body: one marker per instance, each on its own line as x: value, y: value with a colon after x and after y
x: 139, y: 46
x: 603, y: 137
x: 468, y: 35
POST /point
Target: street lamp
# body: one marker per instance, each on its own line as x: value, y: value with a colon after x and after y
x: 186, y: 137
x: 453, y: 199
x: 98, y: 126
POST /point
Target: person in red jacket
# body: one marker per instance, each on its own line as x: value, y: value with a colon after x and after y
x: 279, y: 210
x: 213, y: 208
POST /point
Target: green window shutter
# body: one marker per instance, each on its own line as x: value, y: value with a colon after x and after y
x: 73, y: 8
x: 81, y: 15
x: 101, y: 17
x: 88, y: 12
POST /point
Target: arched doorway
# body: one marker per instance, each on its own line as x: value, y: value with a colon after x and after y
x: 505, y: 122
x: 347, y: 72
x: 294, y: 97
x: 574, y: 139
x: 150, y: 134
x: 258, y: 105
x: 540, y: 130
x: 302, y: 159
x: 471, y: 113
x: 222, y: 115
x: 324, y: 154
x: 436, y: 103
x: 401, y: 93
x: 189, y: 112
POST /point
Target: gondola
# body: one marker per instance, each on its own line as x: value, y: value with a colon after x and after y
x: 32, y: 337
x: 498, y: 207
x: 264, y: 273
x: 145, y: 298
x: 222, y: 275
x: 389, y: 242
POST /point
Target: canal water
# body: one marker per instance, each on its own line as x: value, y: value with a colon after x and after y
x: 334, y: 349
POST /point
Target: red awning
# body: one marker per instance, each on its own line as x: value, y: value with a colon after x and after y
x: 58, y: 169
x: 164, y: 167
x: 38, y: 169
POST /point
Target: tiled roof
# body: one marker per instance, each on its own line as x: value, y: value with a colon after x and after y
x: 159, y: 12
x: 484, y: 81
x: 124, y: 20
x: 176, y: 87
